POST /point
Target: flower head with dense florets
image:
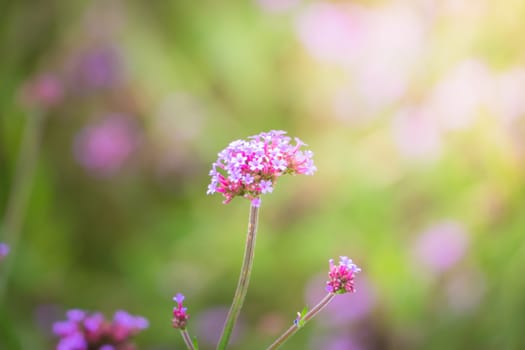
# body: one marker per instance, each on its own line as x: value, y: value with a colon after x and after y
x: 84, y: 331
x: 249, y: 168
x: 180, y: 317
x: 341, y: 277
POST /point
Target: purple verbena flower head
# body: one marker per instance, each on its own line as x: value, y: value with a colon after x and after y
x: 74, y: 341
x: 125, y: 325
x: 180, y: 317
x: 83, y: 331
x: 107, y: 347
x: 249, y: 168
x: 76, y: 315
x: 4, y: 250
x: 341, y: 276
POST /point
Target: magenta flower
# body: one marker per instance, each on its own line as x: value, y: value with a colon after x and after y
x: 343, y: 311
x: 341, y: 277
x: 249, y: 168
x: 83, y: 331
x: 180, y: 317
x: 4, y: 250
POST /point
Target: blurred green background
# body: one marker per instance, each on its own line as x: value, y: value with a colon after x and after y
x: 415, y: 111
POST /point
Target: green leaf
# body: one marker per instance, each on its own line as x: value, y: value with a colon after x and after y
x: 299, y: 321
x: 195, y: 343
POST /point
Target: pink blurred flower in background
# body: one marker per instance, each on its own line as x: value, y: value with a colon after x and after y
x: 508, y: 95
x: 43, y: 91
x: 395, y: 42
x: 330, y: 32
x: 378, y: 47
x: 457, y: 98
x: 104, y: 148
x: 343, y: 309
x: 441, y: 246
x: 416, y: 134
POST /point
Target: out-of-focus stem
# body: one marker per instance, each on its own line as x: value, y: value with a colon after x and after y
x: 294, y: 328
x: 187, y: 339
x: 244, y: 280
x: 20, y: 193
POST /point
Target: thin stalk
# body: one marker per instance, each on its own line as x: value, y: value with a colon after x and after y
x: 244, y: 280
x: 20, y: 192
x: 294, y: 328
x: 187, y: 339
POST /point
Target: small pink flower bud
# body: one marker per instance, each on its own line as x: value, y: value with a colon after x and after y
x: 180, y: 317
x: 341, y: 277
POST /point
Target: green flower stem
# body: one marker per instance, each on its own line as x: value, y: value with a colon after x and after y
x: 187, y: 339
x: 20, y: 193
x: 294, y: 328
x: 244, y: 280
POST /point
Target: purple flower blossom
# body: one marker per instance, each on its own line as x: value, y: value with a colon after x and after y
x: 107, y: 347
x: 341, y: 277
x: 4, y: 250
x: 83, y: 331
x: 124, y: 325
x: 441, y: 246
x: 100, y: 68
x: 75, y: 341
x: 76, y: 315
x: 343, y: 311
x: 104, y: 148
x: 64, y: 328
x: 93, y: 322
x: 249, y: 168
x: 266, y: 186
x: 180, y: 317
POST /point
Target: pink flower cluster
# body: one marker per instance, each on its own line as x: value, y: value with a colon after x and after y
x: 341, y: 277
x: 85, y: 331
x: 249, y: 168
x: 180, y: 317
